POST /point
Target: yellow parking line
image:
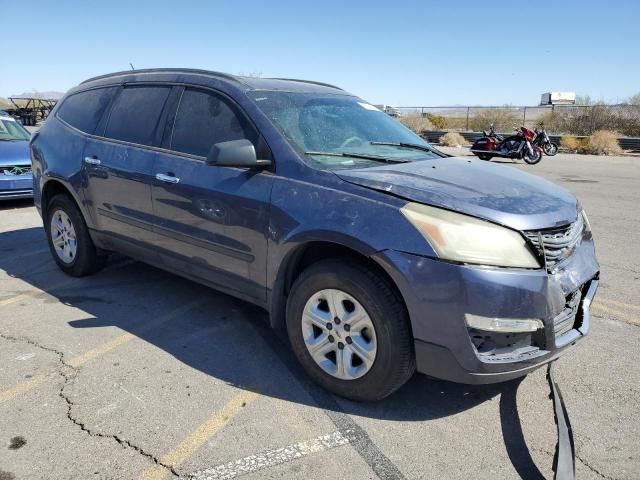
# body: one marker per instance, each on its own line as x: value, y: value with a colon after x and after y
x: 100, y: 350
x: 37, y: 291
x: 200, y: 435
x: 97, y: 351
x: 618, y: 304
x: 16, y: 298
x: 616, y: 313
x: 24, y: 386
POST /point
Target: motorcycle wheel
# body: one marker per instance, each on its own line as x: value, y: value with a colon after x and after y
x: 485, y: 157
x: 533, y: 159
x: 550, y: 149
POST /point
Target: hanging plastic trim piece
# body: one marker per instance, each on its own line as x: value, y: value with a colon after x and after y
x: 564, y: 462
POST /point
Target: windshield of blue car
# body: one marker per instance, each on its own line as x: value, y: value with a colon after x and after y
x: 12, y: 131
x: 338, y: 126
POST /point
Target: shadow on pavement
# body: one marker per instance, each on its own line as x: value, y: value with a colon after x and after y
x: 14, y: 204
x: 230, y: 340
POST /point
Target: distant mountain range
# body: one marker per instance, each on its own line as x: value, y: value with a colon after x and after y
x: 50, y: 95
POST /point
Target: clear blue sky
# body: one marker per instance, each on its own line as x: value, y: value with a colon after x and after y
x: 415, y: 52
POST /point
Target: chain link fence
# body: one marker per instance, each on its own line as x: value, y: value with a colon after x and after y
x: 623, y: 119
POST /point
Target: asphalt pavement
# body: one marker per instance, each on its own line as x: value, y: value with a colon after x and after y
x: 137, y: 373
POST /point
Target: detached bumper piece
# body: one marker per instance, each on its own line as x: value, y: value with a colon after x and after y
x: 564, y: 461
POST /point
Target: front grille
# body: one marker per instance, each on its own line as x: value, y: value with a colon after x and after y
x: 557, y: 243
x: 14, y: 170
x: 566, y: 319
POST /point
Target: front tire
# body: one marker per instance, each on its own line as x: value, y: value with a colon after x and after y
x: 533, y: 158
x: 69, y: 240
x: 350, y: 330
x: 550, y: 149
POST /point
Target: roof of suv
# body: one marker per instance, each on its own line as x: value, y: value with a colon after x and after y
x: 251, y: 83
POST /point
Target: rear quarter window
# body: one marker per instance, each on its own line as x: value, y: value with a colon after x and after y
x: 85, y: 109
x: 135, y: 114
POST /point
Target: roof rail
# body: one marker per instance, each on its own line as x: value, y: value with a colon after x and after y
x: 322, y: 84
x: 163, y: 70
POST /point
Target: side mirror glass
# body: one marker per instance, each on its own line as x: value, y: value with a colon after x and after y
x: 235, y: 153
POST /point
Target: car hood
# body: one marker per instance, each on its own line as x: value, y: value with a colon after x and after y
x: 497, y: 193
x: 14, y: 153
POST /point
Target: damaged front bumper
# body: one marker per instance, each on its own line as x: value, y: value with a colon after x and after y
x: 440, y: 296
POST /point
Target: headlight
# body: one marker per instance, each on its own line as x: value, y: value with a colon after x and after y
x: 466, y: 239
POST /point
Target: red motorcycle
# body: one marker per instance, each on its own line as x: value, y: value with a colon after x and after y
x: 519, y: 146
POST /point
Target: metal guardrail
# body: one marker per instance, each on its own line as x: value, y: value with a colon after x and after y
x: 433, y: 136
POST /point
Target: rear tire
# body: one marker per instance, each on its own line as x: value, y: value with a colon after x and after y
x: 392, y: 361
x: 69, y: 240
x: 485, y: 157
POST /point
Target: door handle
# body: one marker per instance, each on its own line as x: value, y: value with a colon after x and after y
x: 167, y: 178
x: 92, y: 160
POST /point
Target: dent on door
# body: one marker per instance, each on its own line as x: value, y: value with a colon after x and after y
x: 213, y: 222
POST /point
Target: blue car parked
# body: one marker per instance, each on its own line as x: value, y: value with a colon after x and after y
x: 15, y: 163
x: 377, y: 253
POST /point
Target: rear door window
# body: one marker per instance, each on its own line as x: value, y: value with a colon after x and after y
x: 205, y: 118
x: 85, y: 109
x: 135, y: 114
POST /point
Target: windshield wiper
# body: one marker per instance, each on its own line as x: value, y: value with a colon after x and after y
x: 414, y: 146
x: 376, y: 158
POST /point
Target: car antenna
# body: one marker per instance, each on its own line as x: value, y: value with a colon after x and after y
x: 131, y: 65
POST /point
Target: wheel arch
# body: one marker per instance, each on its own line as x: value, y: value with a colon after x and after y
x: 54, y: 186
x: 305, y: 254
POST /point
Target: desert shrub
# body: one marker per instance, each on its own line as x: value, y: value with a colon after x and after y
x: 453, y: 139
x: 457, y: 123
x: 573, y: 144
x: 630, y: 118
x: 553, y: 122
x: 417, y: 123
x: 438, y: 121
x: 503, y: 119
x: 623, y: 118
x: 603, y: 142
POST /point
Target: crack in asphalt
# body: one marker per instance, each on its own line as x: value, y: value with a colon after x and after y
x: 580, y: 459
x: 621, y: 267
x: 68, y: 378
x: 594, y: 470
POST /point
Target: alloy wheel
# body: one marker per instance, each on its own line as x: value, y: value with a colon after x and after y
x: 63, y: 236
x: 339, y: 334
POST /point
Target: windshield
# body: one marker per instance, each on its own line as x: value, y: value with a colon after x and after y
x: 11, y: 130
x: 328, y: 128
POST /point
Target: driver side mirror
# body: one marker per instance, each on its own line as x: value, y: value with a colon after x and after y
x: 235, y: 153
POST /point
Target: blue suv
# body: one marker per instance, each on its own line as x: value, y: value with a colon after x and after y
x: 379, y: 254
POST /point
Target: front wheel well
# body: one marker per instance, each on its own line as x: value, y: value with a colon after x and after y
x: 305, y: 256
